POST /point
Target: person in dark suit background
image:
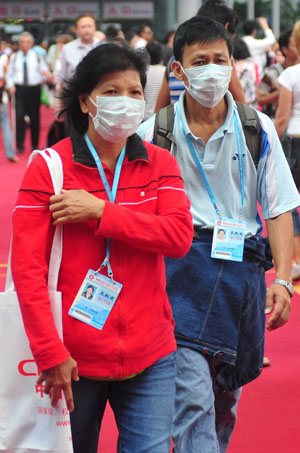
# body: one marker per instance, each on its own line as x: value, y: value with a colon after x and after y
x: 24, y: 78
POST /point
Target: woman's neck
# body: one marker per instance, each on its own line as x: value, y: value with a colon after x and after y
x: 107, y: 151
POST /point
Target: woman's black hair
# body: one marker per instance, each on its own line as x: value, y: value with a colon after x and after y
x: 199, y: 29
x: 240, y: 50
x: 249, y: 26
x: 102, y: 60
x: 284, y: 39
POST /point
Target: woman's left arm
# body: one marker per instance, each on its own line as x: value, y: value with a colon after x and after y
x: 284, y: 110
x: 169, y: 231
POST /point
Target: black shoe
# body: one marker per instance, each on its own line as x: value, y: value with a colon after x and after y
x: 20, y: 150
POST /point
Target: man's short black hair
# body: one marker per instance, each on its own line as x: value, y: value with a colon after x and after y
x: 102, y: 60
x: 284, y: 39
x: 154, y: 48
x: 111, y: 32
x: 219, y: 11
x: 240, y: 50
x: 249, y: 26
x: 140, y: 28
x: 199, y: 30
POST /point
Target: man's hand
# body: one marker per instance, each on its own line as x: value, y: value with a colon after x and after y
x: 263, y: 22
x: 277, y: 295
x: 59, y: 379
x: 75, y: 206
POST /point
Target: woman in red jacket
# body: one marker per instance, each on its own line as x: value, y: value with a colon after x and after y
x: 122, y: 206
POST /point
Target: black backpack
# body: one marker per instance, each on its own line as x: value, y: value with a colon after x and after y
x: 164, y: 122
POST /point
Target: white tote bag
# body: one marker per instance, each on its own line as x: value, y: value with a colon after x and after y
x: 28, y: 423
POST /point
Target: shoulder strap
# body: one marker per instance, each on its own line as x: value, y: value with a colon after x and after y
x: 252, y: 129
x: 55, y: 167
x: 278, y: 68
x: 163, y: 127
x: 164, y: 122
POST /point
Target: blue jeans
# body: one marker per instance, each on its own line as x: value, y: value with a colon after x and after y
x: 204, y: 418
x: 143, y: 407
x: 218, y: 308
x: 6, y: 130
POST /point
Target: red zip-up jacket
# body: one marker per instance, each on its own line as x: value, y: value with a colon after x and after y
x: 149, y: 220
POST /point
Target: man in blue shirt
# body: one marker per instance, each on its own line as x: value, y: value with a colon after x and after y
x: 218, y: 290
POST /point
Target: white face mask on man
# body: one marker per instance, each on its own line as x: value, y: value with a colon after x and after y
x: 208, y: 83
x: 117, y: 117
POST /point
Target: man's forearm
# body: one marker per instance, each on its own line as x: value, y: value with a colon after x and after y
x: 280, y: 232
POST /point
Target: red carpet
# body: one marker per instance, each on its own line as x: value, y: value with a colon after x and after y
x: 269, y: 410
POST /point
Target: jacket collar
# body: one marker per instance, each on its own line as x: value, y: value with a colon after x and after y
x: 135, y: 149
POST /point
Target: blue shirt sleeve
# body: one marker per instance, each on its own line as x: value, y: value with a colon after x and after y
x: 146, y: 129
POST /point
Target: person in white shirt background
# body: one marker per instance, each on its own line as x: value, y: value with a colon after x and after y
x: 25, y: 75
x: 74, y: 51
x: 258, y: 47
x: 288, y: 120
x: 145, y: 34
x: 155, y: 75
x: 4, y: 112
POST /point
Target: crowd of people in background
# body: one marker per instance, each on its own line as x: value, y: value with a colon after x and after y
x: 262, y: 73
x: 258, y: 64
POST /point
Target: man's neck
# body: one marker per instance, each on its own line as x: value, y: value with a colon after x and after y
x: 202, y: 121
x: 87, y: 43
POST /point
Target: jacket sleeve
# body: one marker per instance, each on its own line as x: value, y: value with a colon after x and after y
x: 32, y: 241
x: 169, y: 231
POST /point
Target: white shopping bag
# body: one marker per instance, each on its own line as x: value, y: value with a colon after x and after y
x: 28, y: 423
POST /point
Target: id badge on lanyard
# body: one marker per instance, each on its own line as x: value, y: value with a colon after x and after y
x: 229, y: 234
x: 95, y: 299
x: 228, y: 240
x: 98, y: 293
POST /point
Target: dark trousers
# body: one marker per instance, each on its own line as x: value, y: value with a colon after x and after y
x: 28, y: 103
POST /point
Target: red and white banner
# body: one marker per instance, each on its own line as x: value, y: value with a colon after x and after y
x: 128, y: 10
x: 21, y: 10
x: 71, y: 9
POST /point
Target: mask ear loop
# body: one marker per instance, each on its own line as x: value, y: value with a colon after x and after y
x: 187, y: 88
x: 94, y: 103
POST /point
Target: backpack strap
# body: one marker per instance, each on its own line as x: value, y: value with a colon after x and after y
x: 163, y: 127
x: 252, y: 130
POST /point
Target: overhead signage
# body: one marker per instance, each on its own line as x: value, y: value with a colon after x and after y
x: 18, y: 10
x: 71, y: 9
x: 128, y: 10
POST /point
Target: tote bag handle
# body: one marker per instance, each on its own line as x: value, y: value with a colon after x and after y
x: 55, y: 167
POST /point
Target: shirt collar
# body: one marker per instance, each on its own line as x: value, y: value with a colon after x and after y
x: 135, y: 149
x: 81, y: 45
x: 227, y: 126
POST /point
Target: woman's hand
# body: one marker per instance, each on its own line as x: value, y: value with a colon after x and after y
x: 75, y: 206
x: 57, y: 379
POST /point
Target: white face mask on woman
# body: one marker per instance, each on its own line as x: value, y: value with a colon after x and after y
x: 117, y: 117
x: 208, y: 83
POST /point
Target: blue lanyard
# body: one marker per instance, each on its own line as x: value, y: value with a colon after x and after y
x: 111, y: 193
x: 202, y: 173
